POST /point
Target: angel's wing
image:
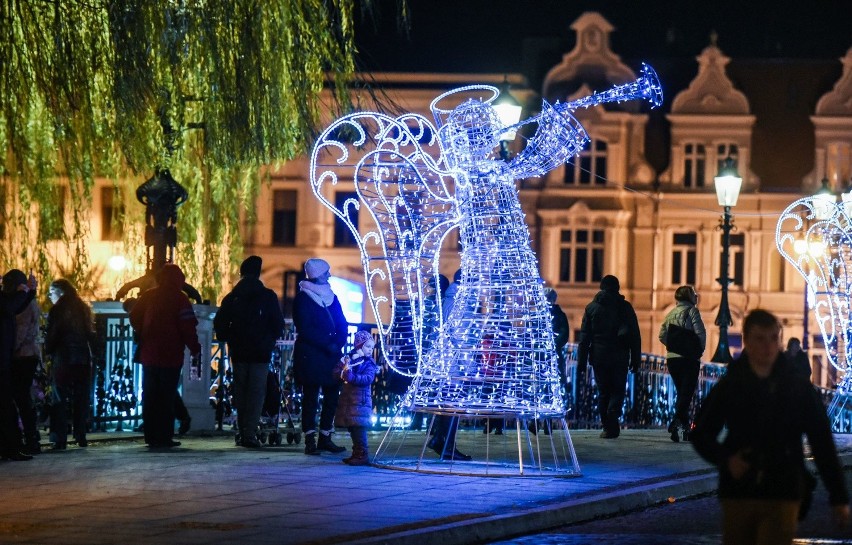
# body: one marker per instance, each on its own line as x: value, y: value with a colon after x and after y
x: 815, y: 236
x: 391, y: 164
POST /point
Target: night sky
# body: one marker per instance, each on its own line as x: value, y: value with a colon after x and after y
x: 530, y: 36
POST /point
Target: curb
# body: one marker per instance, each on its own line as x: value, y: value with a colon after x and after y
x: 497, y: 527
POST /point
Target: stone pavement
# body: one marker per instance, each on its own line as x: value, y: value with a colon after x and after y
x: 208, y: 491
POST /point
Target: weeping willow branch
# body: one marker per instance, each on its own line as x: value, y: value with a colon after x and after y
x: 109, y: 90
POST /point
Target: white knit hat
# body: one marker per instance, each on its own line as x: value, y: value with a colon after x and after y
x: 315, y: 267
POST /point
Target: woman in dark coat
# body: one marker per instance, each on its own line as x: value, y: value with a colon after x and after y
x: 321, y: 332
x: 68, y: 339
x: 26, y: 358
x: 12, y: 302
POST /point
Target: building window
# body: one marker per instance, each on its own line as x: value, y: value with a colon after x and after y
x: 284, y: 217
x: 737, y: 259
x: 589, y: 167
x: 581, y: 256
x: 683, y: 258
x: 694, y: 165
x: 112, y: 214
x: 343, y: 237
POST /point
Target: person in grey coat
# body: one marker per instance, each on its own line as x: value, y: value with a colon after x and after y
x: 683, y: 367
x: 355, y: 405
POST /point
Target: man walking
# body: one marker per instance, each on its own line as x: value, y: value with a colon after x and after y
x: 250, y: 321
x: 766, y: 408
x: 611, y: 342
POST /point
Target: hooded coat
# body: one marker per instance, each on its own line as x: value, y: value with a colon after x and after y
x: 165, y: 322
x: 609, y: 334
x: 70, y: 332
x: 355, y: 406
x: 321, y: 334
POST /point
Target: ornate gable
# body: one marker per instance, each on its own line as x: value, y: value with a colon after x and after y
x: 591, y: 55
x: 838, y: 102
x: 711, y: 92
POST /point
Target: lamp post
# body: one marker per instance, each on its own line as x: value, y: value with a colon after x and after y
x: 509, y: 111
x: 728, y: 184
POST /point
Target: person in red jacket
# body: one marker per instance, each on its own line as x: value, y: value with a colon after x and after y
x: 165, y: 323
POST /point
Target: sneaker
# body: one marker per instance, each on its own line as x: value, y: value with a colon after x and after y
x: 325, y: 443
x: 311, y: 444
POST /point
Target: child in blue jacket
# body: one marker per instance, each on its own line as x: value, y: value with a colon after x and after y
x: 355, y: 407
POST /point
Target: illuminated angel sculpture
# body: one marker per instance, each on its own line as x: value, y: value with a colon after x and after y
x: 494, y: 355
x: 815, y: 235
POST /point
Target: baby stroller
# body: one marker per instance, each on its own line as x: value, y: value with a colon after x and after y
x: 275, y: 401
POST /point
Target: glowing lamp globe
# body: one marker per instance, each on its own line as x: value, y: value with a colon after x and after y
x: 728, y: 183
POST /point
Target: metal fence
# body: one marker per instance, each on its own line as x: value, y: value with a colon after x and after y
x: 649, y: 402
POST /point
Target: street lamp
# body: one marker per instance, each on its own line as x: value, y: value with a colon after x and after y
x: 509, y: 111
x: 728, y: 184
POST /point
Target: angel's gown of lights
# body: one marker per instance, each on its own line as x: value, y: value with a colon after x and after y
x: 496, y: 354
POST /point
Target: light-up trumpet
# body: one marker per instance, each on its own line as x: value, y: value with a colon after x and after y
x: 647, y: 86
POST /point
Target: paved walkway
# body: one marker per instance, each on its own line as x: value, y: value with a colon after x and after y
x: 208, y: 491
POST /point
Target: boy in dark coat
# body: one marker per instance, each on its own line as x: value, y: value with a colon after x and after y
x: 355, y: 407
x: 766, y: 409
x: 321, y: 332
x: 250, y: 320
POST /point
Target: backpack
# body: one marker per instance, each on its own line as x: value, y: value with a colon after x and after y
x: 684, y: 341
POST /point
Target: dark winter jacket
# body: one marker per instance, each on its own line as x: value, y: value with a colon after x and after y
x: 165, y: 322
x: 250, y: 320
x: 765, y: 419
x: 355, y: 406
x: 609, y: 334
x: 70, y: 332
x: 320, y: 336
